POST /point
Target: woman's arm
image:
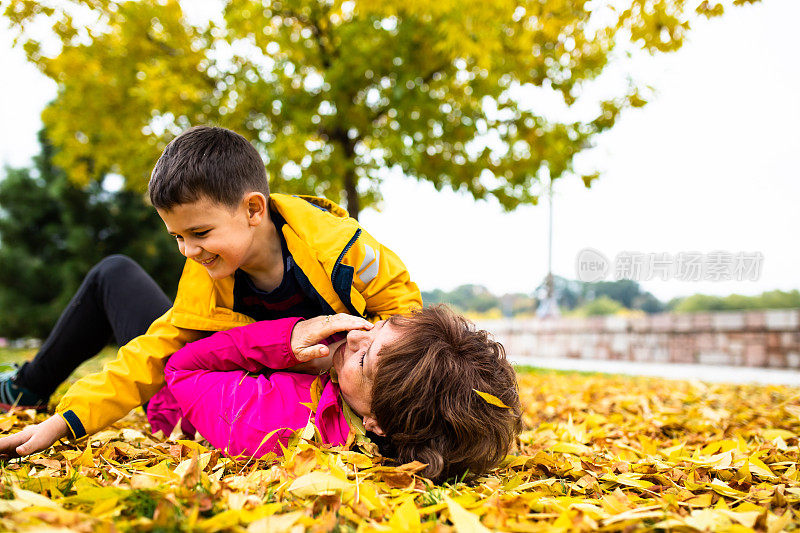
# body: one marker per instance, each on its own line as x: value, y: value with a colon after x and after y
x: 230, y: 408
x: 275, y: 344
x: 234, y: 410
x: 251, y: 347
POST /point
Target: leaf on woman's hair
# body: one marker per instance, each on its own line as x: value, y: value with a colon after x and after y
x: 491, y: 399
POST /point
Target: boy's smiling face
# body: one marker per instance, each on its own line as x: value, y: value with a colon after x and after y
x: 217, y: 236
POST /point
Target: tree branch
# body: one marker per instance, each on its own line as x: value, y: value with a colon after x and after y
x: 161, y: 44
x: 313, y: 25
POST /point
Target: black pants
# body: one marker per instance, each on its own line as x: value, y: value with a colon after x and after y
x: 116, y: 302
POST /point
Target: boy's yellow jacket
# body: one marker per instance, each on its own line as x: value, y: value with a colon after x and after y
x: 346, y: 267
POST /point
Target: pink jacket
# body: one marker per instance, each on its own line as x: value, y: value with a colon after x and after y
x: 209, y: 385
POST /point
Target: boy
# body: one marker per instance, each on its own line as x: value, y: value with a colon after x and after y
x: 250, y: 256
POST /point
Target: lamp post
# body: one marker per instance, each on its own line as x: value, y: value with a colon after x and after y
x: 548, y: 306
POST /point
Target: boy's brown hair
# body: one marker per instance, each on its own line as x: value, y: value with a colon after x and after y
x: 425, y: 399
x: 207, y: 161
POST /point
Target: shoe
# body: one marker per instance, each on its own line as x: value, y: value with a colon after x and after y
x: 13, y: 396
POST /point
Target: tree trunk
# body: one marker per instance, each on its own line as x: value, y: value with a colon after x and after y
x: 339, y: 134
x: 353, y: 206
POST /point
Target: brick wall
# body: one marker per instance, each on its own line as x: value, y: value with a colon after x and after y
x: 769, y: 338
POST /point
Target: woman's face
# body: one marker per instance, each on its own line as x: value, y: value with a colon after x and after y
x: 355, y: 360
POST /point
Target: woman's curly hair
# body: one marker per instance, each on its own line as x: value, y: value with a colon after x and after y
x: 425, y: 397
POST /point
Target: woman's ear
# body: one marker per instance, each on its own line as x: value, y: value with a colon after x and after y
x: 256, y: 205
x: 372, y: 425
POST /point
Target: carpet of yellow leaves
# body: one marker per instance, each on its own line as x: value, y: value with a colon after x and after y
x: 600, y: 453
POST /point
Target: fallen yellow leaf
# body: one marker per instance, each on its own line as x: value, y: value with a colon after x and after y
x: 406, y: 518
x: 318, y: 483
x: 463, y: 520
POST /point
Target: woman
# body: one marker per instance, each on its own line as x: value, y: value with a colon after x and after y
x: 413, y: 379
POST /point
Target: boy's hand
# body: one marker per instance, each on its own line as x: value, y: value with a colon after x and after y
x: 34, y: 438
x: 310, y: 338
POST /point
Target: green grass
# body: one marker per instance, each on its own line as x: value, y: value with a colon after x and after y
x: 14, y: 355
x: 529, y: 369
x: 20, y: 355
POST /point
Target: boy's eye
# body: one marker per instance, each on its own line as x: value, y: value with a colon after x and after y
x: 201, y: 233
x: 362, y: 358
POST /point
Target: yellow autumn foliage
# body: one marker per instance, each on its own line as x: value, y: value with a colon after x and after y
x: 598, y: 453
x: 333, y: 92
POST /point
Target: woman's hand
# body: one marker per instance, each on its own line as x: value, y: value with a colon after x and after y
x: 34, y: 438
x: 309, y: 337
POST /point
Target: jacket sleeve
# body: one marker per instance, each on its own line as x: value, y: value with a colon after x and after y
x: 232, y: 409
x: 125, y: 383
x: 265, y: 344
x: 383, y: 280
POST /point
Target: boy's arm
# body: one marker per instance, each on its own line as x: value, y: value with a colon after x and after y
x: 34, y: 438
x: 125, y: 383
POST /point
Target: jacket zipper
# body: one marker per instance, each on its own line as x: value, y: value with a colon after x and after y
x: 336, y: 269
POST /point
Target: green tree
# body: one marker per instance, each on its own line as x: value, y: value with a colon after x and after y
x: 736, y: 302
x: 599, y: 307
x: 464, y: 298
x: 624, y: 291
x: 332, y: 91
x: 648, y: 303
x: 572, y: 294
x: 569, y: 293
x: 52, y: 232
x: 779, y: 299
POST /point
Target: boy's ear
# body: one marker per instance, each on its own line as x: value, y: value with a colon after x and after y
x: 256, y: 204
x: 372, y: 425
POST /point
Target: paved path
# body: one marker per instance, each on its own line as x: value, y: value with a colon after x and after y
x: 720, y: 374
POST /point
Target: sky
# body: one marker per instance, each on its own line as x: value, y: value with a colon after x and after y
x: 710, y: 164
